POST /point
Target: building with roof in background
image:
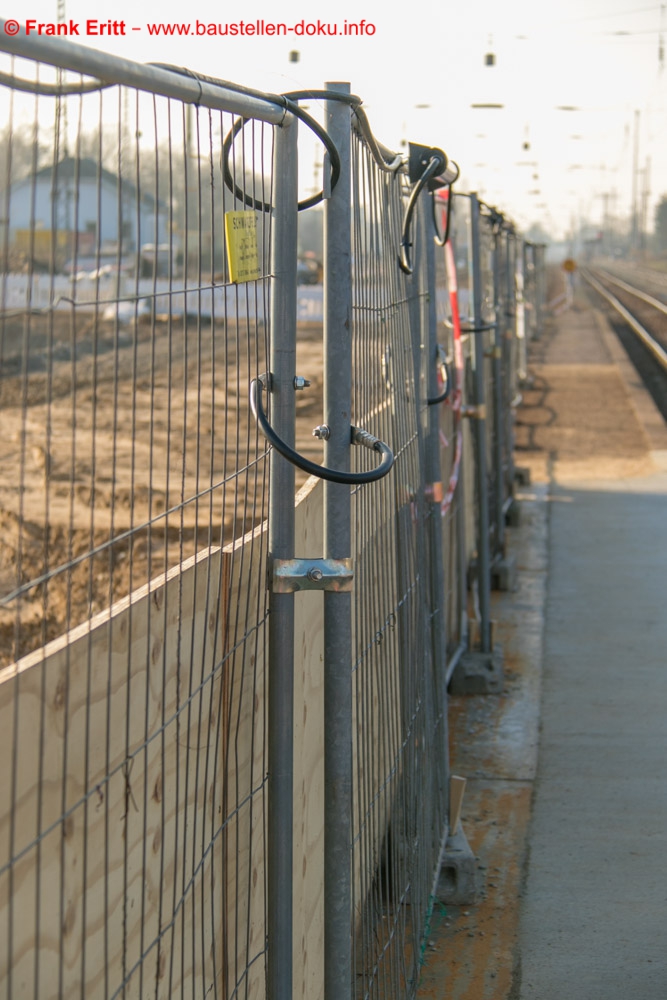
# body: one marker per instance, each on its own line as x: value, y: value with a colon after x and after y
x: 78, y: 208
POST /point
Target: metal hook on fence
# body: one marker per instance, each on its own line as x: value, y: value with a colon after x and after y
x: 357, y: 436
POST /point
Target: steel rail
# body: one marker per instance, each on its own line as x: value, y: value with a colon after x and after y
x: 649, y: 342
x: 656, y: 303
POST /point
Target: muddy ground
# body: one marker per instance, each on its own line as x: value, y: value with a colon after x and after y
x: 123, y: 451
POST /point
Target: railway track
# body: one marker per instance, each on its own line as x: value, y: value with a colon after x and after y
x: 639, y: 318
x: 649, y: 279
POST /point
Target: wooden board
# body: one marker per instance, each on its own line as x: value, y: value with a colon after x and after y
x: 308, y: 856
x: 377, y: 696
x: 242, y: 892
x: 112, y: 838
x: 136, y: 809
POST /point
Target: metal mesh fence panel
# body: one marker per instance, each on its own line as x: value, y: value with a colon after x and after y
x: 510, y: 360
x: 486, y: 341
x: 398, y: 801
x: 531, y: 288
x: 460, y: 236
x: 149, y: 552
x: 450, y: 432
x: 132, y: 618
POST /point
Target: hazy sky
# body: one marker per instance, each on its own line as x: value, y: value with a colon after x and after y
x: 599, y: 56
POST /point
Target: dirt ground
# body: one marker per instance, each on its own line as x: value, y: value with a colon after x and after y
x: 123, y: 452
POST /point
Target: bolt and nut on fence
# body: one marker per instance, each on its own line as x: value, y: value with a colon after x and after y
x: 223, y: 688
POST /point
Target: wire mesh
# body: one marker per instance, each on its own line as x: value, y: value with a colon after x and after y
x: 509, y: 361
x: 487, y: 339
x: 132, y: 618
x: 450, y: 294
x: 531, y: 288
x: 462, y: 244
x: 398, y: 807
x: 134, y: 544
x: 450, y: 434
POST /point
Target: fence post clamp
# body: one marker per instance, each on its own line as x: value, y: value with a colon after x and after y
x: 290, y: 575
x: 495, y: 353
x: 473, y: 412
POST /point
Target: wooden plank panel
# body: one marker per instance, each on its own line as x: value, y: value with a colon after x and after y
x: 308, y: 857
x: 153, y: 749
x: 244, y: 765
x: 379, y: 644
x: 180, y: 772
x: 120, y: 704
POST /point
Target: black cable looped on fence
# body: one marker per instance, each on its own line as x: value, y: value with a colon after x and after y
x: 386, y: 159
x: 321, y: 134
x: 445, y: 374
x: 440, y: 241
x: 479, y: 329
x: 357, y: 436
x: 436, y: 164
x: 290, y: 101
x: 496, y: 218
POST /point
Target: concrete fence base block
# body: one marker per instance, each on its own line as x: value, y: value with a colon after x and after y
x: 457, y: 883
x: 478, y: 673
x: 504, y: 574
x: 513, y: 514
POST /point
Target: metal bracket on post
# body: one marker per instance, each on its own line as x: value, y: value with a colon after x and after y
x: 290, y: 575
x: 474, y: 412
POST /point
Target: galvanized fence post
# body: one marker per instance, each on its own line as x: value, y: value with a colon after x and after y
x: 510, y: 365
x: 281, y: 546
x: 479, y: 432
x: 461, y: 570
x: 540, y: 292
x: 498, y: 415
x: 461, y: 534
x: 337, y: 534
x: 529, y: 290
x: 520, y: 273
x: 434, y: 497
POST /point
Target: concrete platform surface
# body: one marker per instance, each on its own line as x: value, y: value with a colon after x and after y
x: 594, y: 919
x: 566, y: 807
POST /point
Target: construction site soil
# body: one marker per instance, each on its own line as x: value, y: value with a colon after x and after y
x: 124, y: 450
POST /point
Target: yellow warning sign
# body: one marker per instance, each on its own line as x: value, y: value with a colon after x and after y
x: 569, y: 265
x: 242, y: 252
